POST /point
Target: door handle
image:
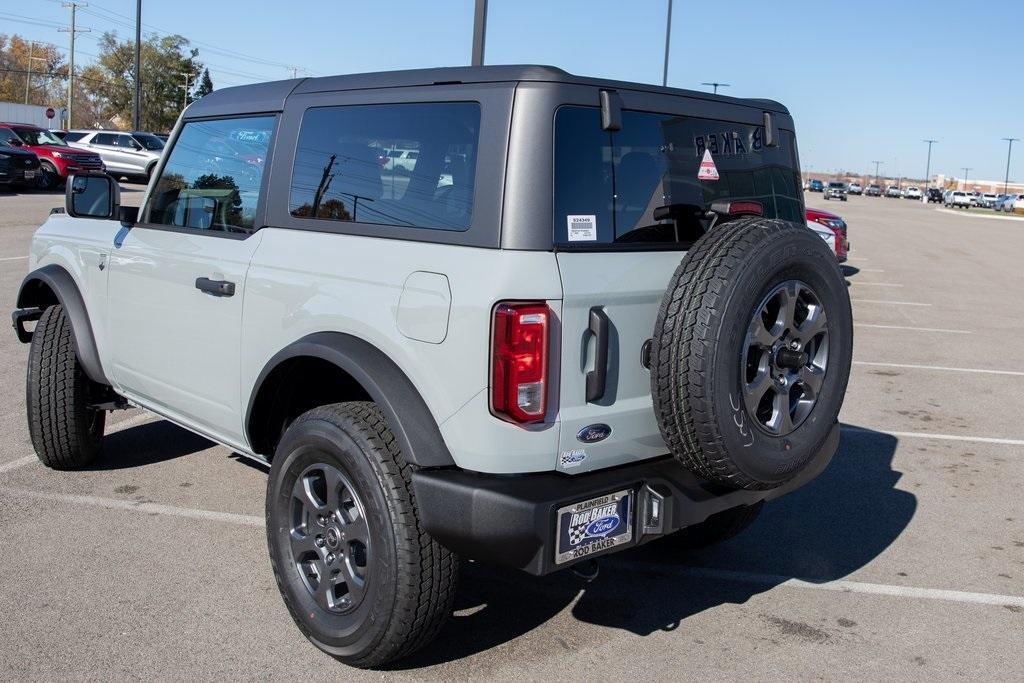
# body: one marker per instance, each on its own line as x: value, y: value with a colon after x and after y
x: 215, y: 287
x: 596, y: 377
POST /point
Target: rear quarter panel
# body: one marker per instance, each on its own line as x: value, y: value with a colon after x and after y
x: 301, y: 282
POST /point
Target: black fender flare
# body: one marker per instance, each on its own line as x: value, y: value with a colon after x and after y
x: 406, y: 412
x: 59, y: 281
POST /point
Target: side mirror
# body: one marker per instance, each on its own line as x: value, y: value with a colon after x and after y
x: 92, y: 195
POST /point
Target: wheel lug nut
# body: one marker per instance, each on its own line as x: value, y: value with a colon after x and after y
x: 330, y: 559
x: 795, y: 345
x: 319, y: 541
x: 320, y: 520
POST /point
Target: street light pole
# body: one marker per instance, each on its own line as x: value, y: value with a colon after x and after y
x: 877, y: 164
x: 137, y: 98
x: 668, y: 39
x: 928, y: 167
x: 716, y: 86
x: 479, y: 32
x: 966, y: 169
x: 1006, y: 180
x: 71, y: 60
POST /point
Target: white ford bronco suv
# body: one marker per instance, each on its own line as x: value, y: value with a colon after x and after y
x: 586, y: 315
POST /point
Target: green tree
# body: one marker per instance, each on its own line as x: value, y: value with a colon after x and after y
x: 165, y: 63
x: 48, y: 81
x: 205, y: 85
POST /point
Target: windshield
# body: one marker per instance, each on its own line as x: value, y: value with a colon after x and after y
x: 38, y: 136
x: 150, y: 142
x: 837, y: 186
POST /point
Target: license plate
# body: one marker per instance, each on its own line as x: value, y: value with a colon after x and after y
x: 593, y: 526
x: 30, y: 174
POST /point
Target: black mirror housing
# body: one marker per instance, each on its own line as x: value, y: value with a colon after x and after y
x: 92, y: 195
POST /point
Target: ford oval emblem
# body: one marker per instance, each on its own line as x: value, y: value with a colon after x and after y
x: 603, y: 526
x: 593, y: 433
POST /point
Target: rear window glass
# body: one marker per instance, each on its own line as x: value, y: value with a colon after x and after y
x: 608, y: 185
x: 73, y: 137
x: 410, y: 165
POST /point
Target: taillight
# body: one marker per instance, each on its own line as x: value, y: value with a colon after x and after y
x: 519, y: 361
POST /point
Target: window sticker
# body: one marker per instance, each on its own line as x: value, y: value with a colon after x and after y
x: 582, y: 228
x: 708, y: 170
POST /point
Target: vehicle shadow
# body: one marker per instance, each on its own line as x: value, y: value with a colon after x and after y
x: 147, y: 444
x: 823, y: 532
x: 849, y: 270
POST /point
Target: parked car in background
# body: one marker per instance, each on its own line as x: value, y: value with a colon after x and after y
x: 873, y: 190
x: 912, y: 192
x: 1006, y: 203
x: 57, y: 160
x: 832, y: 229
x: 934, y: 195
x: 894, y: 191
x: 18, y: 167
x: 1016, y: 206
x: 124, y: 154
x: 855, y: 188
x: 835, y: 190
x: 816, y: 186
x: 987, y: 200
x: 959, y: 198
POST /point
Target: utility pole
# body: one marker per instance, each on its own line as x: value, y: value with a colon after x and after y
x: 928, y: 167
x: 966, y: 169
x: 137, y: 99
x: 1006, y: 180
x: 184, y: 98
x: 71, y: 61
x: 717, y: 86
x: 479, y: 32
x: 877, y: 164
x: 28, y: 76
x: 668, y: 40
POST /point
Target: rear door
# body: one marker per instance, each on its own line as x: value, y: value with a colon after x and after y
x: 616, y: 259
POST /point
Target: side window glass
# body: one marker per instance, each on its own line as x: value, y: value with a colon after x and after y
x: 212, y: 178
x: 104, y: 139
x: 410, y: 165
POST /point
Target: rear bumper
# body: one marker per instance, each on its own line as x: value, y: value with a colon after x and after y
x: 510, y: 520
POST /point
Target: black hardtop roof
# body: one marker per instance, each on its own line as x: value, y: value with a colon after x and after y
x: 271, y: 96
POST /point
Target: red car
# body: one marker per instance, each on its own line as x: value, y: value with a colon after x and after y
x: 832, y: 229
x: 57, y: 160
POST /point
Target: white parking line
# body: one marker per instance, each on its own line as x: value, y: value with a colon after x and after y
x: 133, y: 506
x: 874, y: 284
x: 841, y: 586
x: 939, y: 437
x: 770, y: 580
x: 913, y: 329
x: 15, y: 464
x: 135, y: 421
x: 893, y: 303
x: 13, y: 258
x: 980, y: 371
x: 870, y: 270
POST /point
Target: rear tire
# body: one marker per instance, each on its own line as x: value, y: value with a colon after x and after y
x: 49, y: 178
x: 66, y: 433
x: 392, y: 586
x: 717, y: 528
x: 751, y: 353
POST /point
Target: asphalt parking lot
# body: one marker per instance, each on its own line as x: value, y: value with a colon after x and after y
x: 904, y: 560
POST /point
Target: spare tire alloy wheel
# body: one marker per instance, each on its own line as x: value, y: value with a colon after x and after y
x: 751, y: 353
x: 786, y: 357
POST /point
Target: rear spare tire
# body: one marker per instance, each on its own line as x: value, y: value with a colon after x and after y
x: 751, y: 352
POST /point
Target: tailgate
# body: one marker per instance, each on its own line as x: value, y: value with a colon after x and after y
x: 627, y: 288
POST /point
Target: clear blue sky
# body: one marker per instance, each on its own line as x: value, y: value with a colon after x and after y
x: 865, y: 80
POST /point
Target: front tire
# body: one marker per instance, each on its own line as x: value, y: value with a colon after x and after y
x: 66, y: 433
x: 49, y: 177
x: 361, y: 578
